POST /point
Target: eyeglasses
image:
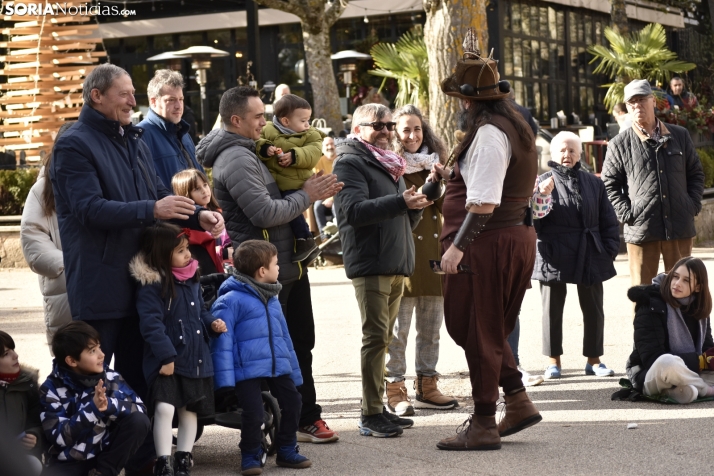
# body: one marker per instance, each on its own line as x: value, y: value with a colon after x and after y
x: 378, y: 126
x: 637, y: 100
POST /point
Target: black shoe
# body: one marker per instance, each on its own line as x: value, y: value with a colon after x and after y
x: 303, y: 248
x: 164, y: 466
x: 397, y: 420
x: 183, y: 461
x: 377, y: 425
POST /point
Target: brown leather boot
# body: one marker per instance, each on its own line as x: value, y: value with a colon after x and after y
x: 429, y: 396
x: 520, y: 414
x: 398, y: 400
x: 478, y: 433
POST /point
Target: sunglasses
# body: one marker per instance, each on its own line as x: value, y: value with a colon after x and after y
x: 378, y: 126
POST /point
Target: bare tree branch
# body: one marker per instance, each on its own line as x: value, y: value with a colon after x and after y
x: 289, y: 6
x: 334, y: 11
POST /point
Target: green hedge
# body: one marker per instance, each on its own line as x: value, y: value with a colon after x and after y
x: 706, y: 155
x: 15, y: 185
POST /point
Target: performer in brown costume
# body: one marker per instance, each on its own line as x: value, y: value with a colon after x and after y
x: 486, y: 216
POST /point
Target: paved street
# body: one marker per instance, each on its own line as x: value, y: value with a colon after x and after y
x: 583, y: 431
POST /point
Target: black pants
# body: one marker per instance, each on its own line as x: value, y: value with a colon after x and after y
x: 251, y: 401
x: 298, y: 225
x: 297, y: 308
x: 553, y: 298
x: 122, y: 339
x: 125, y: 439
x: 322, y: 214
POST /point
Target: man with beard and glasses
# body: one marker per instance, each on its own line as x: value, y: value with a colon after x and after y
x: 376, y: 214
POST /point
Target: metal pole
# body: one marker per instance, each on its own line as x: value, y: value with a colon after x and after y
x: 201, y: 80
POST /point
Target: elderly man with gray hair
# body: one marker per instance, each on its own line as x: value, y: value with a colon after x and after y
x: 106, y: 193
x: 375, y: 215
x: 655, y: 181
x: 165, y: 132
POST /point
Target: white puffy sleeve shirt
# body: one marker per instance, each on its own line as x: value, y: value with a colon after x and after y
x: 484, y: 166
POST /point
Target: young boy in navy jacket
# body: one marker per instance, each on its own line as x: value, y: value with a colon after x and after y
x: 256, y: 348
x: 93, y: 420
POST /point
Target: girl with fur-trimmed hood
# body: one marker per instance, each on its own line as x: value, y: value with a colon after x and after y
x: 175, y: 326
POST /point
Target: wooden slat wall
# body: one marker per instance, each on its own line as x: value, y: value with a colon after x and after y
x: 43, y: 63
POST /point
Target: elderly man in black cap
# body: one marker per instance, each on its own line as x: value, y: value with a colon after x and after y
x: 489, y: 248
x: 655, y: 181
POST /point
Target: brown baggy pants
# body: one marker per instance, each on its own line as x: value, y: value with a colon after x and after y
x: 481, y: 309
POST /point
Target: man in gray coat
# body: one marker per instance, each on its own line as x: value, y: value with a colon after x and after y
x: 655, y: 181
x: 254, y: 210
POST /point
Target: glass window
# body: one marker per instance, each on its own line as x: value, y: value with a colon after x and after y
x: 508, y: 57
x: 220, y: 39
x: 290, y: 33
x: 163, y: 43
x: 136, y: 44
x: 187, y: 40
x: 516, y: 17
x: 112, y: 46
x: 140, y: 75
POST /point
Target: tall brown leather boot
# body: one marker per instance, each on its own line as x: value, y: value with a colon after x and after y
x: 520, y: 414
x: 478, y: 433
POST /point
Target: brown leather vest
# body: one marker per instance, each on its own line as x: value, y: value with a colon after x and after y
x: 517, y: 187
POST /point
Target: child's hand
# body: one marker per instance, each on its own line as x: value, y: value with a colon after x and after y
x: 100, y: 396
x: 167, y: 369
x: 285, y: 160
x: 272, y: 150
x: 28, y: 441
x: 219, y: 326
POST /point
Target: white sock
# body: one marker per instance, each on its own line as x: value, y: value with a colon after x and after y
x: 163, y: 418
x: 188, y: 425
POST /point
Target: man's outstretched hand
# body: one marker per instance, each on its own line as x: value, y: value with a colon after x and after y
x: 321, y: 186
x: 415, y: 201
x: 174, y: 207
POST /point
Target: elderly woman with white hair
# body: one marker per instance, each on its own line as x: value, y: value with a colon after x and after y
x: 577, y: 244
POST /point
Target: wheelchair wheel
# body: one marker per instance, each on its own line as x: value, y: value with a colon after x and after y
x: 174, y: 435
x: 270, y: 405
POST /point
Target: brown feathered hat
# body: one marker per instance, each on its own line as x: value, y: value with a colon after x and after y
x: 475, y: 78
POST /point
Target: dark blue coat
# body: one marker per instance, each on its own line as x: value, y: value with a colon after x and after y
x: 162, y: 137
x: 175, y: 329
x: 105, y: 189
x: 257, y: 344
x: 579, y: 239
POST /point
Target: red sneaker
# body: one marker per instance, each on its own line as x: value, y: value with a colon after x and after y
x: 318, y: 432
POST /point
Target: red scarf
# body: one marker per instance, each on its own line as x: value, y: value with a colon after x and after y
x: 9, y: 378
x: 207, y: 241
x: 395, y: 164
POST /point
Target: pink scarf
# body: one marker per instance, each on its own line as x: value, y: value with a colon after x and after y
x: 187, y: 272
x: 395, y: 164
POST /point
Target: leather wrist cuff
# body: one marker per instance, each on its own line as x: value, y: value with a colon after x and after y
x: 470, y: 229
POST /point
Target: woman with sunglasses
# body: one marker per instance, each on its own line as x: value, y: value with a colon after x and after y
x: 416, y: 142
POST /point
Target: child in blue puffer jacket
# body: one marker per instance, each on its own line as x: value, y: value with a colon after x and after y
x: 257, y: 347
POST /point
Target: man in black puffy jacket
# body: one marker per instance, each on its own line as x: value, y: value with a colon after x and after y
x: 655, y: 182
x: 376, y: 215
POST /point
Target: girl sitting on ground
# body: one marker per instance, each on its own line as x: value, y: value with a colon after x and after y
x: 672, y: 332
x: 20, y: 404
x: 208, y: 251
x: 175, y: 326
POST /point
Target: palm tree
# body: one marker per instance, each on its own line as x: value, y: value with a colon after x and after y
x: 407, y: 62
x: 641, y: 55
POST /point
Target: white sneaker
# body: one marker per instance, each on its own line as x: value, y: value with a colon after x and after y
x: 682, y: 394
x: 530, y: 380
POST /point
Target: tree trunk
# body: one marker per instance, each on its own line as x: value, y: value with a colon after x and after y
x: 322, y: 78
x: 446, y: 24
x: 618, y: 15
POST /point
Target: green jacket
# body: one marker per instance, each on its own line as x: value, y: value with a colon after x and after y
x: 20, y: 406
x: 307, y: 147
x: 424, y: 282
